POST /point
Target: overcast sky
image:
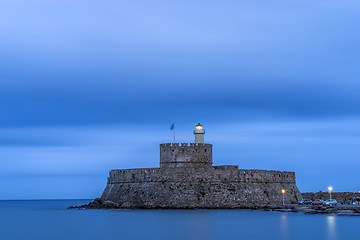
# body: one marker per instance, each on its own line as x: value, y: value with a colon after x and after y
x: 88, y: 86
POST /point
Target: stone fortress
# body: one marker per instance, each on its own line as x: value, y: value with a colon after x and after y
x: 187, y: 179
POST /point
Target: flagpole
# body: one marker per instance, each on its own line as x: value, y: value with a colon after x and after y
x: 174, y: 133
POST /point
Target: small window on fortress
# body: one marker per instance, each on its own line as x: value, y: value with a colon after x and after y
x: 205, y: 150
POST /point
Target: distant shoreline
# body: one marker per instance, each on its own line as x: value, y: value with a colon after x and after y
x: 340, y: 209
x: 341, y: 197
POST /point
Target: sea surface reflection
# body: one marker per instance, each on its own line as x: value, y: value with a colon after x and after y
x: 51, y: 220
x: 331, y: 227
x: 284, y: 228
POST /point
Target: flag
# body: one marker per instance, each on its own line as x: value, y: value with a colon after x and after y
x: 172, y: 126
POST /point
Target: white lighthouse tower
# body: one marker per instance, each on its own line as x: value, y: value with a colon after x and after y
x: 199, y: 134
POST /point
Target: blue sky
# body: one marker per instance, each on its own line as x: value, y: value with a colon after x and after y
x: 88, y: 86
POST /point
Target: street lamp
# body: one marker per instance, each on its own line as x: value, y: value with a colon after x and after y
x: 330, y: 189
x: 283, y: 193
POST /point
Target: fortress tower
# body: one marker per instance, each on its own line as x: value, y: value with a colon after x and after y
x: 193, y: 155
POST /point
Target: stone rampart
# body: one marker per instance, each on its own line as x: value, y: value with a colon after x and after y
x: 211, y: 187
x: 216, y: 173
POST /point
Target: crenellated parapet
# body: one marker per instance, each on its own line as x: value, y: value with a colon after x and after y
x: 230, y: 173
x: 185, y: 155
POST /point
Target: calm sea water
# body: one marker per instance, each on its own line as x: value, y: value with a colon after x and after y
x: 51, y: 220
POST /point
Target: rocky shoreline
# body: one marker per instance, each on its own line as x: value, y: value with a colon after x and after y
x: 341, y: 210
x: 99, y: 204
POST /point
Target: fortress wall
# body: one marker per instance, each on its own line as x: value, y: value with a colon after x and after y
x: 212, y: 187
x: 134, y: 175
x: 227, y: 167
x: 185, y: 155
x: 199, y: 193
x: 218, y: 173
x: 260, y: 176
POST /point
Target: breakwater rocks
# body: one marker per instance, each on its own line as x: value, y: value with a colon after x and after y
x: 98, y: 204
x: 340, y: 210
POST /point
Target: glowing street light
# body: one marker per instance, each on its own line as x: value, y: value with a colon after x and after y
x: 283, y: 193
x: 330, y: 189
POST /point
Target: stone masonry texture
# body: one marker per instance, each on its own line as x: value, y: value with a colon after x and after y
x: 184, y: 155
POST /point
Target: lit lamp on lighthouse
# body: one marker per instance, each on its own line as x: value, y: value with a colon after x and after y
x: 199, y: 133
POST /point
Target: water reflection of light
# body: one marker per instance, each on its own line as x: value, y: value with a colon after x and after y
x: 331, y: 227
x: 199, y: 225
x: 284, y: 226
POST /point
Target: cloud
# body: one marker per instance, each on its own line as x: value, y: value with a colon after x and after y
x: 315, y: 150
x: 121, y: 63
